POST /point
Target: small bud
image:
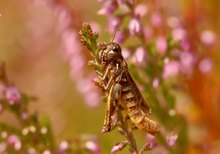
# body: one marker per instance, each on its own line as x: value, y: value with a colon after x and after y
x: 93, y: 147
x: 108, y: 8
x: 12, y: 95
x: 119, y: 146
x: 171, y: 139
x: 161, y: 45
x: 151, y: 145
x: 140, y: 10
x: 208, y: 37
x: 139, y: 57
x: 135, y: 27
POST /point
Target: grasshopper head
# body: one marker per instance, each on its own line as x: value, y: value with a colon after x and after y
x: 111, y: 52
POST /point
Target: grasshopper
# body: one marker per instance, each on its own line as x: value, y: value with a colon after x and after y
x: 121, y: 91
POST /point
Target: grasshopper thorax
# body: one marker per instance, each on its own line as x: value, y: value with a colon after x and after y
x: 110, y: 52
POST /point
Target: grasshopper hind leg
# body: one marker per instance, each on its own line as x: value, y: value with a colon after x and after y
x: 112, y: 108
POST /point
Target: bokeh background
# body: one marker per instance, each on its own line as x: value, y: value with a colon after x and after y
x: 39, y: 61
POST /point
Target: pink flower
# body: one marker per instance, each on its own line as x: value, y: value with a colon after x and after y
x: 161, y: 45
x: 148, y: 32
x: 151, y: 145
x: 208, y: 37
x: 156, y: 19
x: 173, y: 22
x: 121, y: 2
x: 126, y: 53
x: 140, y: 56
x: 135, y: 27
x: 118, y: 147
x: 12, y: 95
x: 114, y: 23
x: 140, y: 10
x: 187, y: 61
x: 171, y: 139
x: 108, y: 8
x: 93, y: 147
x: 120, y: 37
x: 156, y: 83
x: 205, y: 66
x: 179, y: 34
x: 15, y: 141
x: 171, y: 69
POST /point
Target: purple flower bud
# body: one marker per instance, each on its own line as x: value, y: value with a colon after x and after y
x: 156, y: 83
x: 108, y: 8
x: 171, y: 139
x: 93, y: 147
x: 64, y: 145
x: 114, y: 23
x: 205, y: 66
x: 119, y: 146
x: 161, y: 45
x: 12, y: 95
x: 135, y: 27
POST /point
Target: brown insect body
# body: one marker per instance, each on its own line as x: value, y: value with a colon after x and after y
x: 122, y: 92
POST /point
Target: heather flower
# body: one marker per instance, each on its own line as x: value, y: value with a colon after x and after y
x: 156, y: 20
x: 208, y: 37
x: 186, y: 61
x: 205, y: 66
x: 151, y: 145
x: 156, y: 83
x: 15, y: 141
x: 170, y: 69
x: 93, y: 147
x: 140, y: 10
x: 64, y: 145
x: 173, y: 22
x: 135, y: 27
x: 179, y: 34
x: 108, y: 8
x: 139, y: 56
x: 161, y: 45
x: 126, y: 53
x: 119, y: 146
x: 3, y: 147
x: 120, y: 37
x: 12, y: 95
x: 114, y: 23
x: 171, y: 139
x: 121, y: 2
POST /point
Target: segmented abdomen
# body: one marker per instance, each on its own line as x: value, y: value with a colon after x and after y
x: 136, y: 114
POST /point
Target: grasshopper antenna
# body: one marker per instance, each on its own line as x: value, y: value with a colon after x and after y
x: 115, y: 34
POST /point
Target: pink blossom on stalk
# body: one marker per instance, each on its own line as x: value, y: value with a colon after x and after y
x: 187, y: 60
x: 126, y: 53
x: 121, y: 2
x: 118, y: 147
x: 140, y: 56
x: 93, y: 147
x: 156, y: 83
x: 179, y: 34
x: 161, y: 45
x: 120, y: 37
x: 12, y: 95
x: 205, y: 66
x: 108, y: 8
x: 208, y: 37
x: 171, y: 139
x: 173, y: 22
x: 140, y: 10
x: 171, y: 68
x: 114, y: 23
x: 156, y: 20
x: 15, y: 141
x: 135, y: 27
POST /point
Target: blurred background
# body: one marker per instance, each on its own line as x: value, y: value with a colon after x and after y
x: 40, y: 46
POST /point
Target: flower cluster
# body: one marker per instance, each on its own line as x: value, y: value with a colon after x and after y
x: 33, y: 135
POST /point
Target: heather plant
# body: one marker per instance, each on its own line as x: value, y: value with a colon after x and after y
x: 172, y: 53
